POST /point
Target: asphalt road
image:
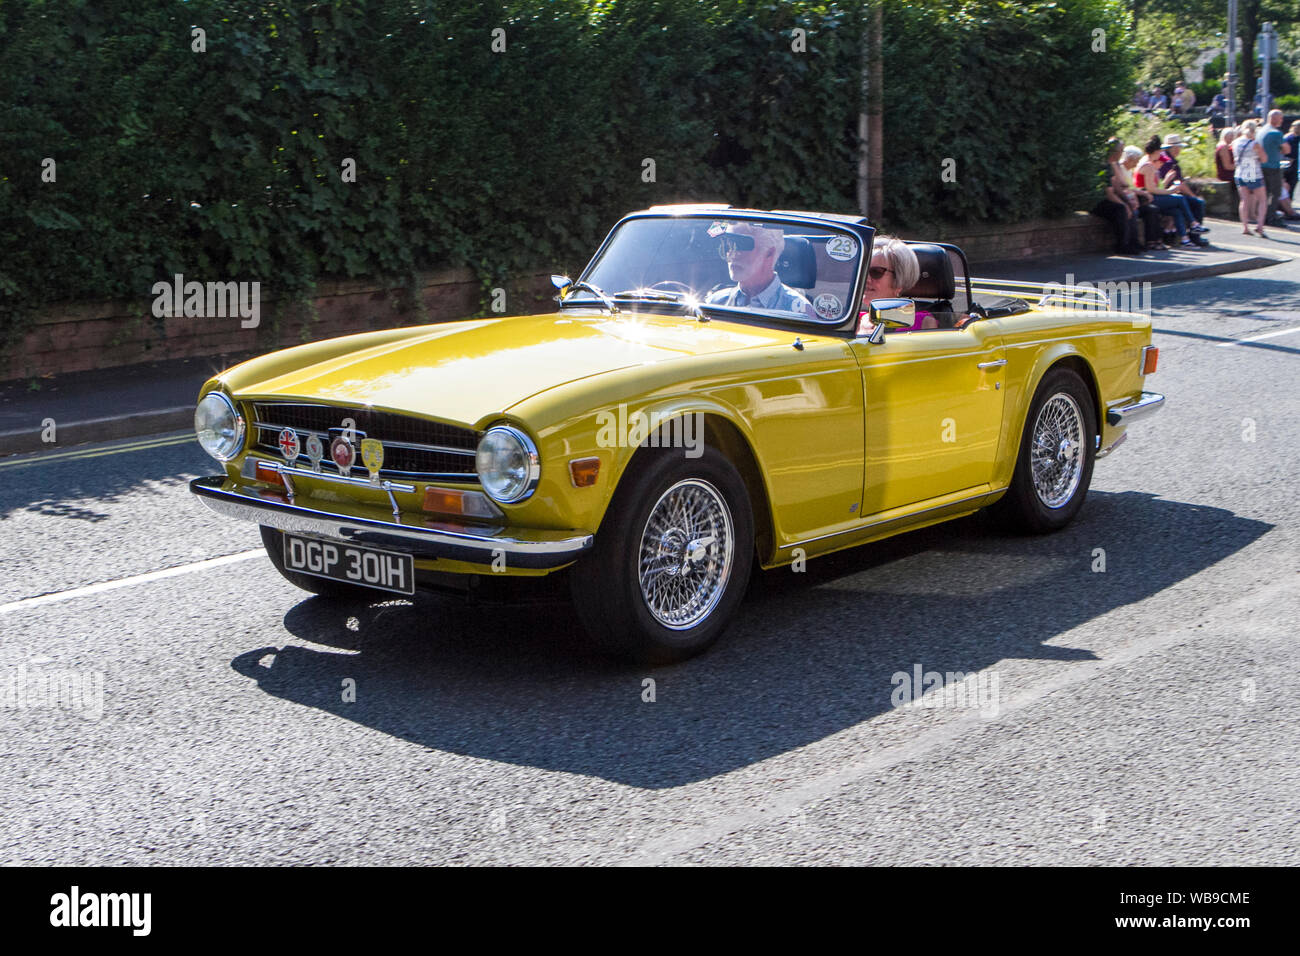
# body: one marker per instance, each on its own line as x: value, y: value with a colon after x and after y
x: 1141, y: 714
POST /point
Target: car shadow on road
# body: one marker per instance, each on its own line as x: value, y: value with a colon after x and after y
x: 810, y: 653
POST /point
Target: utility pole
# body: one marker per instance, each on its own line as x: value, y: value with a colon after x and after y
x: 870, y: 126
x: 1232, y: 62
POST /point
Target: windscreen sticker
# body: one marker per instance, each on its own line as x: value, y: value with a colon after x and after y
x: 716, y: 230
x: 841, y: 248
x: 827, y: 306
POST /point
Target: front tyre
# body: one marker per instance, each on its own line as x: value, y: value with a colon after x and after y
x: 1057, y: 451
x: 671, y: 560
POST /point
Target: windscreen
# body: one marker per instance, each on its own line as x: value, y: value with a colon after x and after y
x: 783, y: 270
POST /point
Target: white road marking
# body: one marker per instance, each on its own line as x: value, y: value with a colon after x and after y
x: 1256, y: 338
x: 145, y: 578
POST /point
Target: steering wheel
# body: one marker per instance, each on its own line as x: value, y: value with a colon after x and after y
x: 672, y: 285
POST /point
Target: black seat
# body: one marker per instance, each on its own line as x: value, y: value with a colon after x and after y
x: 797, y: 264
x: 934, y: 290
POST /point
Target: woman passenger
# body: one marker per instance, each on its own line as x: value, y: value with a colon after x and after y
x: 893, y: 270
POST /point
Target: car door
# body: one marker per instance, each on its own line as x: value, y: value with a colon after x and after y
x: 933, y: 413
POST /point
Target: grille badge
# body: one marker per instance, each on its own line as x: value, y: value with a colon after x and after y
x: 289, y: 445
x: 343, y: 455
x: 315, y: 451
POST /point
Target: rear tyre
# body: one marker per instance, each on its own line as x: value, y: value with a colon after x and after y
x: 273, y: 541
x: 671, y: 560
x: 1054, y: 464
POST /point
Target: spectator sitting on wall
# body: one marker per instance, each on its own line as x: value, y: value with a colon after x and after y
x: 1158, y: 100
x: 1225, y: 165
x: 1172, y: 146
x: 1184, y: 99
x: 1166, y: 198
x: 1219, y: 104
x: 1146, y: 209
x: 1116, y: 206
x: 1141, y: 99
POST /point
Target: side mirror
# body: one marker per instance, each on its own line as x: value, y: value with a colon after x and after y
x: 890, y: 313
x: 561, y: 282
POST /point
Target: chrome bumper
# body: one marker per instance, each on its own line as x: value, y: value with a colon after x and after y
x: 522, y: 548
x: 1148, y: 404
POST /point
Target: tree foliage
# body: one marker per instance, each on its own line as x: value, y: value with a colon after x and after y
x: 228, y: 164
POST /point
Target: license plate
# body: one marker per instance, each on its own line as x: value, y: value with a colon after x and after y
x: 369, y: 567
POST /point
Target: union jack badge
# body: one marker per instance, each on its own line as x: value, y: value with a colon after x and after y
x: 289, y: 445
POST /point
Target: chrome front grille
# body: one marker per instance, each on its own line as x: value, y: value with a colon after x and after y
x: 414, y: 449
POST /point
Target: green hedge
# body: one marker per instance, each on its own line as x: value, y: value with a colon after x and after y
x: 226, y: 164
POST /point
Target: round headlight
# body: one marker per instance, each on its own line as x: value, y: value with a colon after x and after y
x: 220, y: 429
x: 507, y: 464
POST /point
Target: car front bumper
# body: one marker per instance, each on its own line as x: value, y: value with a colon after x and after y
x: 521, y: 548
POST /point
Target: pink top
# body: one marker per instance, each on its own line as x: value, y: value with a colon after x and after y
x: 914, y: 327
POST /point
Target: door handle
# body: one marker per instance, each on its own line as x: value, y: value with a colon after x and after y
x: 997, y: 363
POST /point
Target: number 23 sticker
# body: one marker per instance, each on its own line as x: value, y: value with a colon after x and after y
x: 841, y: 248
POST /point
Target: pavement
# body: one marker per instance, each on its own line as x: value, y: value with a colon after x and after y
x: 137, y: 400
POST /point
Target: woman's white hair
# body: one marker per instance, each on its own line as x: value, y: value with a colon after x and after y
x: 1131, y: 151
x: 1248, y: 129
x: 1229, y: 133
x: 901, y: 259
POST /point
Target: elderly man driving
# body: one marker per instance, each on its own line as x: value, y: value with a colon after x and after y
x: 751, y: 252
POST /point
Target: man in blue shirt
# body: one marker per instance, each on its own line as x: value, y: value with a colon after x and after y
x: 751, y: 252
x: 1275, y: 147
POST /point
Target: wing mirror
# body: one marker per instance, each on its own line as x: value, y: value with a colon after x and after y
x: 890, y: 313
x: 561, y: 283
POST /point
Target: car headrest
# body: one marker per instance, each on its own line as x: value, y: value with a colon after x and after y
x: 936, y: 281
x: 797, y: 264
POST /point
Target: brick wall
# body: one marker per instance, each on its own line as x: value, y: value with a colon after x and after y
x: 83, y: 336
x: 75, y: 338
x: 1076, y: 234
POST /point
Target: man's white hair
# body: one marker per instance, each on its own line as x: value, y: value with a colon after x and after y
x: 764, y: 237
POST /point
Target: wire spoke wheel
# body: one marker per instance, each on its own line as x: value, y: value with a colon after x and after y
x: 685, y: 554
x: 1057, y: 453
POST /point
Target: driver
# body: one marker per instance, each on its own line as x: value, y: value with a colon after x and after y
x: 751, y: 251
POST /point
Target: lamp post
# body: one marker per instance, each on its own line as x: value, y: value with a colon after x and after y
x: 1267, y: 50
x: 1232, y: 62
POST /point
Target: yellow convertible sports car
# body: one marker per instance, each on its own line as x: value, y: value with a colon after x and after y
x: 705, y: 398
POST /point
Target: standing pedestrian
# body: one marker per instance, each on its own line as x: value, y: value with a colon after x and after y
x: 1247, y: 155
x: 1275, y: 147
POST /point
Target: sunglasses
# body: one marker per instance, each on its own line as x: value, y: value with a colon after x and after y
x: 878, y: 272
x: 732, y: 243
